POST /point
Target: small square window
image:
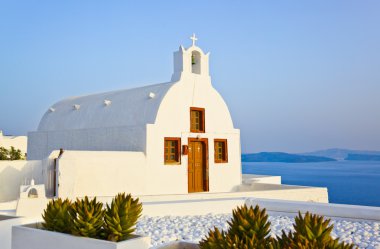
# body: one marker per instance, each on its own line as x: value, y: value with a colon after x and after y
x: 221, y: 152
x: 197, y: 119
x: 172, y: 151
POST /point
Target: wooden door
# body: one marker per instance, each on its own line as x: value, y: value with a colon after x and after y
x: 197, y: 167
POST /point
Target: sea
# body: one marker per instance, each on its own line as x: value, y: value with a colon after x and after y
x: 348, y: 182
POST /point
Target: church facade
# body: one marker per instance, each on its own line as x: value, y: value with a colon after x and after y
x: 170, y: 138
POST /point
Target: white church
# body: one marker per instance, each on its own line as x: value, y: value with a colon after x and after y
x: 170, y: 138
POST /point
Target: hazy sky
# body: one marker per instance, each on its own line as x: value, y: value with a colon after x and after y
x: 297, y: 75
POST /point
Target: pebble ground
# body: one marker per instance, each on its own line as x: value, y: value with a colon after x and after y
x: 365, y: 234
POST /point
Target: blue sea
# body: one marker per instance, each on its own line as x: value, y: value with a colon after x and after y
x: 348, y: 182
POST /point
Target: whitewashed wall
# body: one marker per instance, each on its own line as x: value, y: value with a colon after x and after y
x: 173, y: 120
x: 40, y: 144
x: 101, y: 173
x: 15, y: 173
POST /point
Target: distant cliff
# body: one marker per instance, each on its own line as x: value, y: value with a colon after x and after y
x: 362, y: 157
x: 283, y: 157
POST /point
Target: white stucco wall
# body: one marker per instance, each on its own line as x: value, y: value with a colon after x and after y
x: 6, y: 224
x: 28, y: 236
x: 126, y: 138
x: 249, y: 179
x: 15, y: 173
x: 101, y: 173
x: 173, y: 120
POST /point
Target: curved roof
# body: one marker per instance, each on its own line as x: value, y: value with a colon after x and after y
x: 131, y: 107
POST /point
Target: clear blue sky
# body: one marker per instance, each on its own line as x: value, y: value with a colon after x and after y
x: 297, y: 75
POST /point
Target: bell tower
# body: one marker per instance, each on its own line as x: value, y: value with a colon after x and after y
x: 190, y: 62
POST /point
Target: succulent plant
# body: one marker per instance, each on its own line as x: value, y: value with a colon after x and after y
x: 57, y: 217
x: 121, y: 217
x: 249, y: 228
x: 250, y: 223
x: 313, y: 228
x: 214, y: 240
x: 88, y: 218
x: 311, y: 231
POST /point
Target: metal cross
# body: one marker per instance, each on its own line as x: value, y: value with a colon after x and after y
x: 194, y: 39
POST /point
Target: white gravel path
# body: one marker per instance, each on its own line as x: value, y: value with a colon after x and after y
x: 365, y: 234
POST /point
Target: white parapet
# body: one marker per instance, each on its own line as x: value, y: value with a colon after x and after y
x: 6, y: 224
x: 326, y: 209
x: 224, y: 202
x: 250, y: 178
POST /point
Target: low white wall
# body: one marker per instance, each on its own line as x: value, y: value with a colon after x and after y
x: 249, y: 179
x: 6, y: 223
x: 192, y: 207
x: 32, y: 238
x: 31, y: 207
x: 223, y: 202
x: 326, y: 209
x: 182, y: 205
x: 101, y: 173
x: 15, y: 173
x: 7, y: 207
x: 287, y: 192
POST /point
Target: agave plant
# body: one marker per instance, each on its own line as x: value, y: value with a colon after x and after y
x: 214, y: 240
x: 311, y: 231
x: 57, y: 217
x: 249, y: 228
x: 121, y: 217
x: 250, y: 223
x: 88, y: 218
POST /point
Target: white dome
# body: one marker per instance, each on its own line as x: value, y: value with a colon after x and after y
x: 131, y: 107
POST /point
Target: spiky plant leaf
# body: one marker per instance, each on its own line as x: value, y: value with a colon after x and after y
x: 249, y: 228
x: 248, y: 222
x: 57, y: 217
x: 121, y: 217
x: 214, y: 240
x: 88, y: 218
x: 311, y: 231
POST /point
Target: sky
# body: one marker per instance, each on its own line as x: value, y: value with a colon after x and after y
x: 297, y: 76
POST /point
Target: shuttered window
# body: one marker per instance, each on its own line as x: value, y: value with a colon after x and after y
x: 197, y: 119
x: 221, y: 152
x: 172, y: 153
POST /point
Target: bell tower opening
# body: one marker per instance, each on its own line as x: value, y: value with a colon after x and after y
x: 190, y: 61
x: 196, y: 62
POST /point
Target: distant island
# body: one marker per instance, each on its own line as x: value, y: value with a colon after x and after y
x: 339, y: 154
x: 316, y: 156
x: 283, y: 157
x: 362, y: 157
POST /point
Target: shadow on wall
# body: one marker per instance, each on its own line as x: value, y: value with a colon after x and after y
x: 10, y: 178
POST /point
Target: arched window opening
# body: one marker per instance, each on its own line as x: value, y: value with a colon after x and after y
x: 196, y: 62
x: 33, y: 193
